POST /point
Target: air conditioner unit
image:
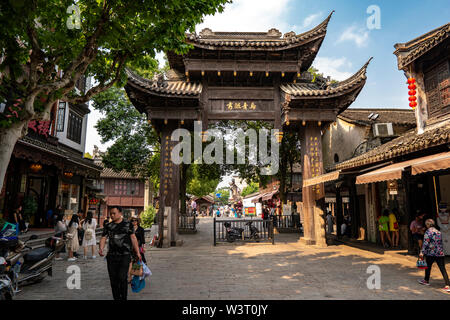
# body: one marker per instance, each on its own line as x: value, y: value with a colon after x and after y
x: 383, y: 130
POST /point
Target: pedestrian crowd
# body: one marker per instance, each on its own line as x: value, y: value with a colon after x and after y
x: 125, y: 241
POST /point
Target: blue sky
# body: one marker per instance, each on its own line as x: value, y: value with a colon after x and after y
x: 348, y: 44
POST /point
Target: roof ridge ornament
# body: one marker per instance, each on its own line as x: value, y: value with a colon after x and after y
x: 290, y: 34
x: 206, y: 32
x: 274, y: 33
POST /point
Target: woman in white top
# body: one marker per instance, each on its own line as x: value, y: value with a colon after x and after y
x: 72, y: 237
x: 89, y: 240
x: 60, y: 229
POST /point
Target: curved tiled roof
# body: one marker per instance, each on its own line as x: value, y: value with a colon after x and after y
x: 396, y: 116
x: 60, y: 151
x: 438, y: 134
x: 314, y: 89
x: 110, y: 173
x: 410, y: 51
x: 255, y: 40
x: 165, y: 87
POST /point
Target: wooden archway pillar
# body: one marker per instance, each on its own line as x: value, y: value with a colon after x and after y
x: 312, y: 165
x: 169, y: 174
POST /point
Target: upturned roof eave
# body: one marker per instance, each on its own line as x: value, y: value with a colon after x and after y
x: 355, y: 82
x: 261, y: 44
x: 136, y: 82
x: 410, y: 51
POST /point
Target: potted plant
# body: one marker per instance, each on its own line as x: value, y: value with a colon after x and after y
x: 30, y: 207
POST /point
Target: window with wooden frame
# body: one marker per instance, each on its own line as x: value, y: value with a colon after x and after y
x: 437, y: 88
x: 74, y: 127
x: 60, y: 118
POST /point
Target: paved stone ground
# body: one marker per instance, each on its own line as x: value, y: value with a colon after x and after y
x: 286, y: 270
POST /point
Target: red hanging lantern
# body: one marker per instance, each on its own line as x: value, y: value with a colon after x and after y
x: 412, y: 92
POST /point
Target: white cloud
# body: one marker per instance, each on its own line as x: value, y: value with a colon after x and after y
x: 333, y: 67
x: 249, y: 15
x: 359, y: 35
x: 309, y: 20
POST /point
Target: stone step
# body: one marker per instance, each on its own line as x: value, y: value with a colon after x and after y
x: 40, y: 242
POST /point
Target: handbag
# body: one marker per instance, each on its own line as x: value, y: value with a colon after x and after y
x: 396, y: 225
x: 421, y: 263
x: 137, y: 269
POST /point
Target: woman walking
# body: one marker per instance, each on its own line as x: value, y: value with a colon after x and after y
x: 60, y: 229
x: 89, y: 240
x: 140, y: 236
x: 72, y: 237
x: 393, y: 227
x: 433, y: 251
x: 383, y: 227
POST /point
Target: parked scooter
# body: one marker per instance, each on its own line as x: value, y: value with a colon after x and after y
x: 254, y: 232
x: 233, y: 233
x: 6, y: 284
x: 25, y: 265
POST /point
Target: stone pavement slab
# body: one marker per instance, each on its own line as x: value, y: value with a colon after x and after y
x: 287, y: 270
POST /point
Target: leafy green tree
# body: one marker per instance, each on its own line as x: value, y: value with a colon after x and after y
x: 250, y: 188
x: 135, y: 141
x: 148, y: 217
x: 44, y: 51
x: 202, y: 180
x: 224, y: 196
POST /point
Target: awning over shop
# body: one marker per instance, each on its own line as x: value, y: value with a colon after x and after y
x: 440, y: 161
x: 255, y: 199
x: 331, y: 176
x: 269, y: 195
x: 394, y: 171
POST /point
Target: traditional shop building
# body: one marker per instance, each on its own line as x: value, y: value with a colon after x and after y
x: 119, y: 189
x: 410, y: 173
x: 204, y: 204
x: 48, y: 167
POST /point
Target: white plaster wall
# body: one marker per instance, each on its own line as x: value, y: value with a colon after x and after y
x: 62, y: 136
x: 341, y: 138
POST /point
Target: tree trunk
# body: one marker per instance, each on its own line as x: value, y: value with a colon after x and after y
x: 8, y: 139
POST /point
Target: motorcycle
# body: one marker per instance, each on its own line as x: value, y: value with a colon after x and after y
x: 6, y: 284
x: 25, y: 265
x: 254, y: 232
x: 235, y: 233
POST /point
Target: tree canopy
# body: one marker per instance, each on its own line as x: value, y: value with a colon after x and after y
x: 46, y: 46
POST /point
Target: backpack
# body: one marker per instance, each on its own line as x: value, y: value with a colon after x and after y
x: 88, y: 233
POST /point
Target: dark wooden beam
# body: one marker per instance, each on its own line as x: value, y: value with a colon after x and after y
x: 242, y: 65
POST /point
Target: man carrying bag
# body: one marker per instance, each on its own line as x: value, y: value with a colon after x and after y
x: 122, y: 241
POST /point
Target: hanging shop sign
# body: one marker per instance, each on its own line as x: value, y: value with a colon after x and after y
x: 392, y: 187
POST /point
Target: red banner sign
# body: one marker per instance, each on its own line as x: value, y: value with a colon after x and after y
x: 41, y: 127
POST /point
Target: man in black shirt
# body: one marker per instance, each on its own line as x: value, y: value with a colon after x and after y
x: 122, y: 241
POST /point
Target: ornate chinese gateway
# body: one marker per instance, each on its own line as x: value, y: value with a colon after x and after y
x: 245, y: 76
